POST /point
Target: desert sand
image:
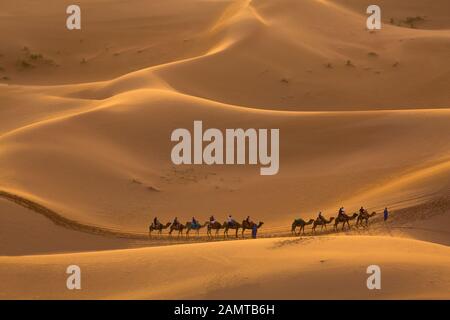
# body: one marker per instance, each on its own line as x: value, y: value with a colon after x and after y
x: 85, y: 124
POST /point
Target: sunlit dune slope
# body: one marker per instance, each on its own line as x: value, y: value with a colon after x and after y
x: 26, y: 232
x: 271, y: 269
x: 284, y: 54
x: 99, y: 152
x: 112, y: 164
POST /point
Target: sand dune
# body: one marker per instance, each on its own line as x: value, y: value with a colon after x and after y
x: 127, y: 161
x: 85, y: 123
x: 272, y: 268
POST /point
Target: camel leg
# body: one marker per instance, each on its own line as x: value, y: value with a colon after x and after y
x: 348, y: 225
x: 237, y: 232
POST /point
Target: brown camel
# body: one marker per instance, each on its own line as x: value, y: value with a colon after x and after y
x: 322, y: 223
x: 300, y: 223
x: 344, y: 219
x: 158, y: 228
x: 178, y: 227
x: 227, y: 226
x: 216, y: 226
x: 364, y: 217
x: 249, y: 225
x: 197, y: 228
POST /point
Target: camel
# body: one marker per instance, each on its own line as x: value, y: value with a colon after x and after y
x: 321, y: 223
x: 235, y: 225
x: 178, y: 227
x: 344, y: 219
x: 216, y: 226
x: 159, y: 228
x: 300, y: 223
x: 247, y: 225
x: 197, y: 228
x: 364, y: 217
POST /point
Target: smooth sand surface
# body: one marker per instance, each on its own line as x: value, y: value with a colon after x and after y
x: 85, y: 124
x: 322, y: 267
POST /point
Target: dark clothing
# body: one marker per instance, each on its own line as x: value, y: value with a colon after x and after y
x: 386, y: 214
x: 254, y: 231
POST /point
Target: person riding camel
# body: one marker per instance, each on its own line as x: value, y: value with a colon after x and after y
x: 175, y: 222
x: 212, y: 220
x: 231, y: 221
x: 341, y: 211
x: 249, y: 222
x: 156, y: 223
x: 362, y: 210
x: 195, y: 223
x: 321, y: 217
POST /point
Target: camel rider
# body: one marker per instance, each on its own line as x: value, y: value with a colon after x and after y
x: 156, y: 222
x: 195, y: 223
x: 175, y: 222
x: 248, y: 220
x: 212, y: 220
x: 341, y: 211
x: 362, y: 211
x: 321, y: 217
x: 230, y: 220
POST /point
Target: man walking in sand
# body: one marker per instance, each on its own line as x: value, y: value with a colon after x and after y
x: 385, y: 214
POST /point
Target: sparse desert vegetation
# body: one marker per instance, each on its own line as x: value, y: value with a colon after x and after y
x: 410, y: 22
x: 31, y: 60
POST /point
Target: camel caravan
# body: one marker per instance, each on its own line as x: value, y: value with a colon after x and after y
x: 213, y: 226
x: 362, y: 220
x: 210, y: 225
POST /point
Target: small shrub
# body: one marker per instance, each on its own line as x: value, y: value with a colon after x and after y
x: 36, y: 56
x: 412, y: 21
x: 23, y: 64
